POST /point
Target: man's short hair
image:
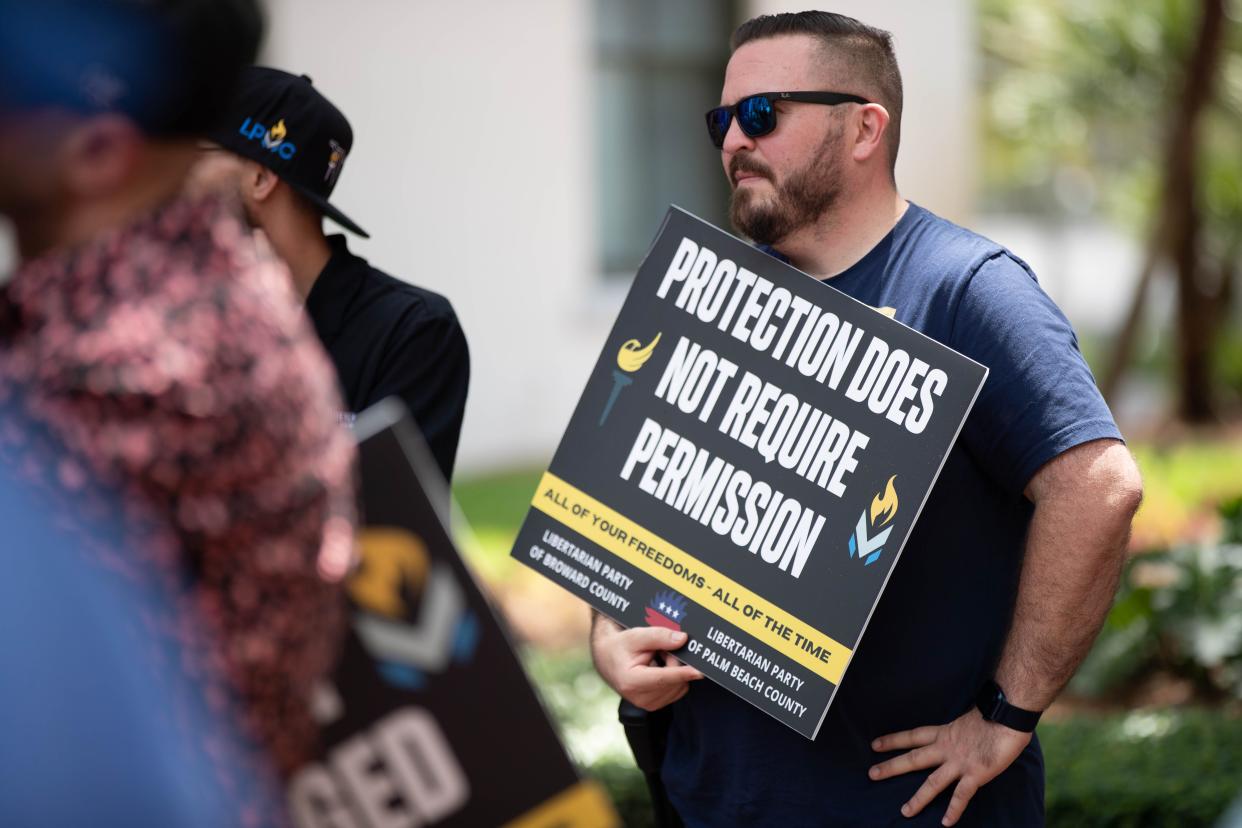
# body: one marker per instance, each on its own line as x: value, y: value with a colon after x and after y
x: 864, y: 52
x: 168, y: 65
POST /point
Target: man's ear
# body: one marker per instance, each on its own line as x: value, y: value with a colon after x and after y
x: 871, y: 123
x: 259, y: 182
x: 100, y: 155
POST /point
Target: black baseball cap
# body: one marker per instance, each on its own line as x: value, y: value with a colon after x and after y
x: 282, y: 121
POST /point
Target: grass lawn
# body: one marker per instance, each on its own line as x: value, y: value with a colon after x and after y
x: 493, y: 507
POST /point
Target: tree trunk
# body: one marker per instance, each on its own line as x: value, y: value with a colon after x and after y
x: 1175, y: 235
x: 1123, y: 342
x: 1196, y: 311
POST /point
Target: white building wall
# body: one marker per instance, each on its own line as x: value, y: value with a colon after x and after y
x: 486, y: 195
x: 472, y: 170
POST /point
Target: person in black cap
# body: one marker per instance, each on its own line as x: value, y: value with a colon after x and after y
x: 281, y: 148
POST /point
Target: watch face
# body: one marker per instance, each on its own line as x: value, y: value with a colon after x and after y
x: 990, y: 701
x: 995, y: 708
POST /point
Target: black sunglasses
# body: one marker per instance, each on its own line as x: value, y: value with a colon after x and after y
x: 756, y: 114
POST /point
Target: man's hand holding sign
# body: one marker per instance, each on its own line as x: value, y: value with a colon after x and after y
x: 628, y: 659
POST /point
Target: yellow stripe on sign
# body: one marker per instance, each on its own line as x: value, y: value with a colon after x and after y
x: 780, y: 630
x: 585, y: 805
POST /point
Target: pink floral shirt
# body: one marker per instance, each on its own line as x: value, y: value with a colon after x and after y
x: 168, y: 363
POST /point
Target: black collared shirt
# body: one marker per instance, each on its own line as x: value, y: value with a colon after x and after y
x: 388, y: 337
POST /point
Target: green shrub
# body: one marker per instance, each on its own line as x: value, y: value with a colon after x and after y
x: 1148, y: 768
x: 1178, y: 613
x: 584, y: 711
x: 1231, y: 518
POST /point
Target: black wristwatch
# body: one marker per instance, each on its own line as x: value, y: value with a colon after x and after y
x: 995, y: 707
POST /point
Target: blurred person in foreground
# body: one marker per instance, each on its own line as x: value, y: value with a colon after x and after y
x: 153, y: 351
x: 280, y: 148
x: 1013, y: 564
x: 101, y: 727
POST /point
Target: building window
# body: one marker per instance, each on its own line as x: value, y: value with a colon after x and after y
x: 659, y: 67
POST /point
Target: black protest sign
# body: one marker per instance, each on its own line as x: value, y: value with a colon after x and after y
x: 428, y: 719
x: 745, y: 464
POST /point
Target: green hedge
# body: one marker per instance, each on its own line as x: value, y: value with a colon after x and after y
x: 1148, y: 769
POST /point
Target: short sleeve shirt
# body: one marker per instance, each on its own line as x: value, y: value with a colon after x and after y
x: 937, y: 632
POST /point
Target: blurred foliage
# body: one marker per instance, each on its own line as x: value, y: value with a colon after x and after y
x: 1178, y: 614
x: 1229, y: 359
x: 1174, y: 768
x: 1184, y: 484
x: 584, y: 708
x: 585, y: 711
x: 1077, y: 99
x: 1156, y: 358
x: 1080, y: 101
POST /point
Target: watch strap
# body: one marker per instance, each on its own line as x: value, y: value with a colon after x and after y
x: 995, y: 707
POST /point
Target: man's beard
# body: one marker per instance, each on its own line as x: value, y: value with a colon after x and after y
x: 805, y: 195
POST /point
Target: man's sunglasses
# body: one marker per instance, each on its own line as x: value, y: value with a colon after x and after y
x: 756, y: 114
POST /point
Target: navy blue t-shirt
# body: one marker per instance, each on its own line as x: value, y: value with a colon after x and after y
x: 938, y: 630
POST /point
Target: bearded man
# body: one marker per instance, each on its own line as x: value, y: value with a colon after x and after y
x: 1006, y: 578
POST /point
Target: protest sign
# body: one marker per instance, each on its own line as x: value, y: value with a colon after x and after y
x: 428, y: 719
x: 745, y: 464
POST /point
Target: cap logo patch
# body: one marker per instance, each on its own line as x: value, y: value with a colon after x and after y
x: 335, y: 160
x: 272, y: 139
x: 276, y: 135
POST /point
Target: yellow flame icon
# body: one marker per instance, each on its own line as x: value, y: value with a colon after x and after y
x: 391, y: 558
x: 634, y: 355
x: 884, y: 506
x: 277, y: 133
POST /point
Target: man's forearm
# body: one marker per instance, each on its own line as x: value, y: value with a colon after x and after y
x: 1074, y: 553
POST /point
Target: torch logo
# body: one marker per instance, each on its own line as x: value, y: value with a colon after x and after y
x: 667, y: 609
x: 869, y: 536
x: 276, y: 135
x: 632, y: 356
x: 414, y: 619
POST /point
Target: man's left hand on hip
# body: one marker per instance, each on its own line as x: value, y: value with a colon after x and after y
x: 969, y: 751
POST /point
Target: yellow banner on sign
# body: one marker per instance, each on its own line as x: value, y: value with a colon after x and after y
x: 715, y: 592
x: 585, y: 805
